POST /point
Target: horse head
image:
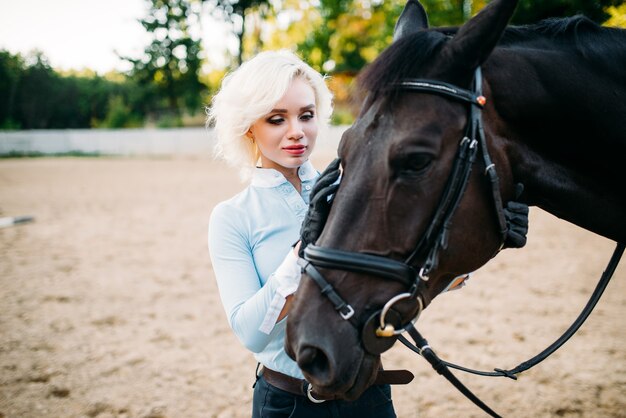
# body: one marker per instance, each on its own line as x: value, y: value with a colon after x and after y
x: 397, y: 160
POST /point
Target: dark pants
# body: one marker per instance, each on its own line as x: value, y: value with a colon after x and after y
x: 271, y: 402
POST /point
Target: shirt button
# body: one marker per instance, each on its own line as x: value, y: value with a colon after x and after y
x: 307, y: 187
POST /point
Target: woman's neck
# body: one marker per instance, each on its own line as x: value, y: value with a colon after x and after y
x: 290, y: 174
x: 293, y: 178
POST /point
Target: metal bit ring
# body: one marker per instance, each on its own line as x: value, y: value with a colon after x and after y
x: 389, y: 304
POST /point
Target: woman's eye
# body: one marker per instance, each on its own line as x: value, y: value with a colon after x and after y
x: 307, y: 116
x: 275, y: 120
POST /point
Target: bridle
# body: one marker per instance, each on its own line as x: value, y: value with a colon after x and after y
x: 435, y: 237
x: 381, y: 329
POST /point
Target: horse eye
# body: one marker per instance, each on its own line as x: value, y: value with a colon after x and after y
x: 413, y: 164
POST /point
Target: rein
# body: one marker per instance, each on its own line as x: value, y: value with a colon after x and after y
x: 382, y: 328
x: 422, y: 347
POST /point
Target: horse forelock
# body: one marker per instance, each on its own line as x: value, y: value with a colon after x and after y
x: 402, y: 59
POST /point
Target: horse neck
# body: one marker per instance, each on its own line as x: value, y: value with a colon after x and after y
x: 561, y: 120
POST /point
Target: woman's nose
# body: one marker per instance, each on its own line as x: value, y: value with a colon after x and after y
x: 295, y: 130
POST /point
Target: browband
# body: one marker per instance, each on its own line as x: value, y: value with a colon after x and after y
x: 444, y: 89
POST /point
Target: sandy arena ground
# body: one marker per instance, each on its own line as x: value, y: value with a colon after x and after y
x: 110, y: 308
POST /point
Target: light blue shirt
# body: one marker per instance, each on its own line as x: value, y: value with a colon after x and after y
x: 249, y: 236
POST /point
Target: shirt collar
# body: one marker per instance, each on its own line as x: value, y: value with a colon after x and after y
x: 268, y: 177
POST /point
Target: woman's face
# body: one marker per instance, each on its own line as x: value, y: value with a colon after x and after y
x: 286, y: 135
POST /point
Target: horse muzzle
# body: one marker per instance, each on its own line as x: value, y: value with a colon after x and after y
x: 326, y: 348
x: 332, y: 377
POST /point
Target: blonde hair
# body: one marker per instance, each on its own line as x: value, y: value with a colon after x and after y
x: 249, y: 93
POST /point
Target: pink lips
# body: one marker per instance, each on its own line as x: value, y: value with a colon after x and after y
x: 295, y: 149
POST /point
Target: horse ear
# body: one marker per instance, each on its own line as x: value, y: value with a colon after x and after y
x: 478, y: 37
x: 413, y: 19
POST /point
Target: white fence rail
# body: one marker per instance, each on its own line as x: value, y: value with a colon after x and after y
x: 127, y: 142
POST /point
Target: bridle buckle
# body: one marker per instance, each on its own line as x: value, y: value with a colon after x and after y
x: 349, y: 314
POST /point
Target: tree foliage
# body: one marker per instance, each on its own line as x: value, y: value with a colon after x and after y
x: 11, y: 68
x: 35, y: 96
x: 350, y: 33
x: 169, y: 69
x: 617, y: 17
x: 236, y: 11
x: 336, y: 37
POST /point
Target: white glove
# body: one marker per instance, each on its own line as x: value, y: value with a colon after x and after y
x: 288, y: 274
x: 288, y: 277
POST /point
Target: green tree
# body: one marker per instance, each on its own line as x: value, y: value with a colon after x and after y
x: 169, y: 70
x: 35, y: 96
x: 317, y: 46
x: 11, y: 69
x: 38, y: 94
x: 236, y: 11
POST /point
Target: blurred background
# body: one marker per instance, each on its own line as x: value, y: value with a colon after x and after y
x: 83, y: 64
x: 109, y: 304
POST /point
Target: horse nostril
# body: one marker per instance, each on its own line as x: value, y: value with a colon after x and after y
x: 314, y: 362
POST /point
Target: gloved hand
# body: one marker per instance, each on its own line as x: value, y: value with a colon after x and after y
x: 288, y: 274
x: 319, y: 205
x: 516, y: 215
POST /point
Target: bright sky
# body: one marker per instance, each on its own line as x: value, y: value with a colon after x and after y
x: 86, y: 33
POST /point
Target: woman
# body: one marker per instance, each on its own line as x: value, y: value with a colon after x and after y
x: 269, y: 112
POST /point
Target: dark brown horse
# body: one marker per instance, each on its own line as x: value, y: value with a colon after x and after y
x: 554, y: 120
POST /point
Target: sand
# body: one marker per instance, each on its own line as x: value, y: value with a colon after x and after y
x: 110, y: 308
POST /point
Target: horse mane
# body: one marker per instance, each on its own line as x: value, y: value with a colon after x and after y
x: 553, y: 27
x: 578, y: 34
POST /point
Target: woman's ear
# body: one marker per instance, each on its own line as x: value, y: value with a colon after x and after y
x: 250, y: 135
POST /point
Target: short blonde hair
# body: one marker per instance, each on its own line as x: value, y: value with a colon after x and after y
x: 249, y: 93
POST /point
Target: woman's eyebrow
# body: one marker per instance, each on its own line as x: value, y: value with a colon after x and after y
x: 307, y: 107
